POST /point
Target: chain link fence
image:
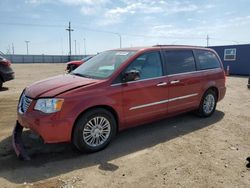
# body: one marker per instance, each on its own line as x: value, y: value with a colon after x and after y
x: 42, y: 58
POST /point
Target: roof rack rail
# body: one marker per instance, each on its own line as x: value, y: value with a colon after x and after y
x: 168, y: 45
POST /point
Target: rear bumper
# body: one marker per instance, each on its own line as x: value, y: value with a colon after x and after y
x: 222, y: 93
x: 7, y: 73
x: 8, y: 76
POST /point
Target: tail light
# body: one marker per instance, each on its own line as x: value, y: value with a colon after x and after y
x: 225, y: 78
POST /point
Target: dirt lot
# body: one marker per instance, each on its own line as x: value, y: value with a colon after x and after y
x: 185, y: 151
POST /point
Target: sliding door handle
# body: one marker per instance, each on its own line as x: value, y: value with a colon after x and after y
x: 174, y: 81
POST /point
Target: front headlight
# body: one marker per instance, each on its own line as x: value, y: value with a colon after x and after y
x: 49, y: 105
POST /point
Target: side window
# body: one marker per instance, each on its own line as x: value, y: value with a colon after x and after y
x: 206, y: 60
x: 149, y: 65
x: 180, y: 61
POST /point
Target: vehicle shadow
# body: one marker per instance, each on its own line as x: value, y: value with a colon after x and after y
x: 52, y: 160
x: 4, y: 89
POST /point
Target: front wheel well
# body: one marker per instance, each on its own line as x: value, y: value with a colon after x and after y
x: 108, y: 108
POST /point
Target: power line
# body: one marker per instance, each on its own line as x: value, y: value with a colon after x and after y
x: 98, y: 30
x: 226, y: 40
x: 124, y: 34
x: 27, y: 24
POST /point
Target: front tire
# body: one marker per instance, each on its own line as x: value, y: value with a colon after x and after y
x: 208, y: 104
x: 94, y: 130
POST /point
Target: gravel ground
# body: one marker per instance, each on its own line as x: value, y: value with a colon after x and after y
x: 183, y: 151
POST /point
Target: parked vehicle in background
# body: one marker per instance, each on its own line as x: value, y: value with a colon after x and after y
x: 6, y: 72
x: 72, y: 65
x: 119, y: 89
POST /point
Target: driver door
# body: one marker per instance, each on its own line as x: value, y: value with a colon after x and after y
x: 146, y: 98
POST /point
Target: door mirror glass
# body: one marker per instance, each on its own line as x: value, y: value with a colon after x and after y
x: 131, y: 75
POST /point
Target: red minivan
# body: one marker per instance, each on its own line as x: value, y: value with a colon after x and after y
x: 118, y: 89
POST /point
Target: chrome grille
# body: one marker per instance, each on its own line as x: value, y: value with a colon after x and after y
x: 24, y: 103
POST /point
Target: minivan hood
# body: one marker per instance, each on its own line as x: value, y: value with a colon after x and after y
x: 56, y: 85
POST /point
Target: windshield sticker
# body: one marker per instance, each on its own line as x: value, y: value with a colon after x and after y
x: 121, y: 53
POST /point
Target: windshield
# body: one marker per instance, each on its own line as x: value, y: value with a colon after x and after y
x: 103, y: 65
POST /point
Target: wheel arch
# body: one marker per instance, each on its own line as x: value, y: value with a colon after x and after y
x: 106, y: 107
x: 214, y: 89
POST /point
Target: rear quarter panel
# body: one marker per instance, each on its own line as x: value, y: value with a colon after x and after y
x: 214, y: 78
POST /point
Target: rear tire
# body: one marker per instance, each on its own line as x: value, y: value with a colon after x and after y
x: 1, y: 84
x: 208, y: 104
x: 94, y: 130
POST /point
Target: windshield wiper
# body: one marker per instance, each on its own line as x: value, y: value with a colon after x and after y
x: 81, y: 75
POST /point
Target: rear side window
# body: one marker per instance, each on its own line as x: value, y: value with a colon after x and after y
x: 206, y: 60
x: 180, y: 61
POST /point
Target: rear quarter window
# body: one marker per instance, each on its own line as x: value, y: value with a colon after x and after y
x: 206, y: 60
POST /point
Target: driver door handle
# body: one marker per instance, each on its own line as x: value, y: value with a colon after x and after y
x: 161, y: 84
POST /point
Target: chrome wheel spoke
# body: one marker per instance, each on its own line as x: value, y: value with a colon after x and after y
x: 90, y: 124
x: 102, y: 120
x: 105, y: 125
x: 97, y: 141
x: 209, y: 103
x: 102, y: 137
x: 86, y: 130
x: 88, y: 137
x: 105, y: 131
x: 96, y: 131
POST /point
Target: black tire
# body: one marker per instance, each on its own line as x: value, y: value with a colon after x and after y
x: 202, y: 110
x: 78, y: 139
x: 1, y: 84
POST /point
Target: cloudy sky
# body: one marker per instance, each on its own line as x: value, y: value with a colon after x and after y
x: 139, y: 22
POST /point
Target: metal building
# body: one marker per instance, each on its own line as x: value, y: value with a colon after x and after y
x: 237, y: 57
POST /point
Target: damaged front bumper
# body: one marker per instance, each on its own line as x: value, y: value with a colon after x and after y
x: 17, y: 142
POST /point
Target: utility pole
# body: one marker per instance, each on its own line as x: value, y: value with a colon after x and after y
x: 75, y: 47
x: 120, y: 37
x: 27, y: 46
x: 207, y: 40
x: 69, y: 30
x: 84, y: 43
x: 13, y: 49
x: 79, y: 48
x: 8, y: 50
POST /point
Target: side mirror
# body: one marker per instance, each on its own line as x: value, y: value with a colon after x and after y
x: 131, y: 75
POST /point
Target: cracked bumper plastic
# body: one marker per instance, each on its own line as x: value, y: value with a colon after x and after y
x: 17, y: 142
